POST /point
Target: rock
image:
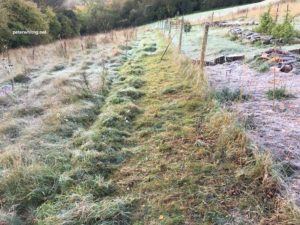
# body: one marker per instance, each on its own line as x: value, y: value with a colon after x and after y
x: 294, y: 164
x: 266, y: 40
x: 295, y: 51
x: 200, y: 143
x: 286, y: 68
x: 232, y: 58
x: 210, y: 63
x: 220, y: 60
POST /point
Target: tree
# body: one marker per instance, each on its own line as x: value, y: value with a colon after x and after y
x: 54, y: 24
x: 70, y: 26
x: 4, y: 30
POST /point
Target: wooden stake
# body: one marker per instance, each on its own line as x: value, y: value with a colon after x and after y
x: 212, y: 17
x: 203, y: 50
x: 33, y: 54
x: 181, y: 33
x: 170, y: 29
x: 65, y: 48
x: 277, y: 13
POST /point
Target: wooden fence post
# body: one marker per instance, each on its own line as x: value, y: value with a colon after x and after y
x: 170, y: 29
x: 287, y: 11
x: 203, y: 50
x: 277, y: 13
x: 181, y: 33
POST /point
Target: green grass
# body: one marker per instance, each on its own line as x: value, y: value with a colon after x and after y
x: 196, y: 163
x: 278, y: 94
x: 260, y: 65
x: 226, y: 95
x: 153, y: 149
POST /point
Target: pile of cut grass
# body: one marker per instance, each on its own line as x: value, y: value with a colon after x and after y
x: 64, y: 175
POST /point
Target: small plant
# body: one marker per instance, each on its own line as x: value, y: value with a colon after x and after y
x: 21, y: 78
x: 226, y: 95
x: 285, y: 31
x: 187, y: 27
x: 278, y: 94
x: 260, y: 65
x: 266, y: 23
x: 58, y: 68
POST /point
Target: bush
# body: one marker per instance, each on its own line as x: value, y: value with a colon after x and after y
x: 285, y: 31
x: 23, y: 16
x: 226, y: 95
x: 278, y: 94
x: 266, y: 23
x: 54, y: 24
x: 187, y: 27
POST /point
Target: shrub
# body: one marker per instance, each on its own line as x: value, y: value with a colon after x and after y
x: 23, y: 16
x: 266, y: 23
x: 226, y: 95
x: 285, y: 31
x: 278, y: 94
x: 187, y: 27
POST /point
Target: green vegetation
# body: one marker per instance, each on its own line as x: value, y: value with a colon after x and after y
x: 93, y: 17
x: 21, y: 15
x: 284, y: 31
x: 226, y: 95
x: 260, y: 65
x: 278, y: 94
x: 151, y: 147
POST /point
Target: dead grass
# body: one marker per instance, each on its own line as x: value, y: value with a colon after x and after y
x: 256, y: 12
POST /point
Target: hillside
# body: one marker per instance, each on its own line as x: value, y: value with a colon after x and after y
x: 152, y: 125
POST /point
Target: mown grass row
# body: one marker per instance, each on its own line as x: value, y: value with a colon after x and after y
x: 195, y: 164
x: 66, y: 176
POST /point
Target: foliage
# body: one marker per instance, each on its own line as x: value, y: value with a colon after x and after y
x: 187, y: 27
x: 22, y: 16
x: 278, y: 94
x: 284, y: 31
x: 266, y: 23
x: 69, y: 24
x: 227, y: 95
x: 96, y: 16
x: 54, y: 25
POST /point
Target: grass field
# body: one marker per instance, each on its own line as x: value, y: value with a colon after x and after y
x: 116, y: 134
x: 157, y: 150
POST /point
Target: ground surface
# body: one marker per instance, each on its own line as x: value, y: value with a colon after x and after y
x: 115, y: 134
x: 276, y: 126
x: 149, y: 146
